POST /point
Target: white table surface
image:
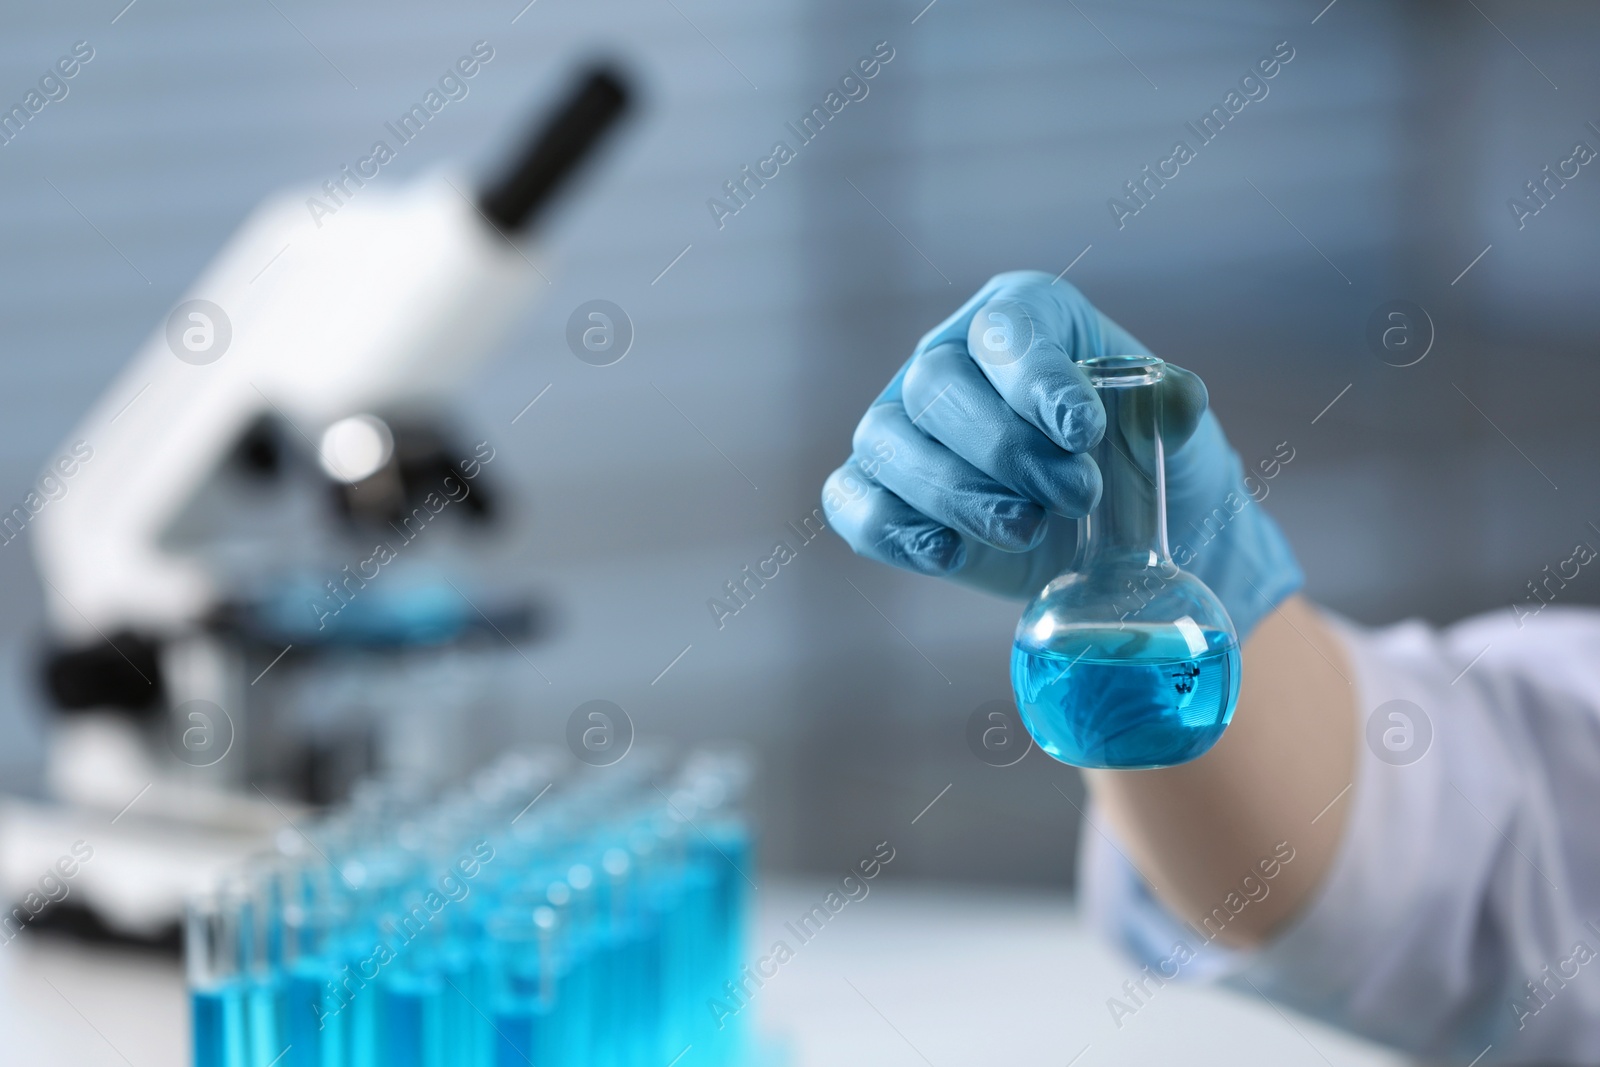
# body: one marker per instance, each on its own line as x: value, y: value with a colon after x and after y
x: 910, y: 975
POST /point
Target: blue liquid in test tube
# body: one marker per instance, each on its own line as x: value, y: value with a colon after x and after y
x: 219, y: 1026
x: 593, y: 935
x: 213, y: 944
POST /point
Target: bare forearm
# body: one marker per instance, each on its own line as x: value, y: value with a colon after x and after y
x: 1196, y: 830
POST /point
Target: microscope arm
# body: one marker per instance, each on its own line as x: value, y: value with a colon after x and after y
x: 390, y: 300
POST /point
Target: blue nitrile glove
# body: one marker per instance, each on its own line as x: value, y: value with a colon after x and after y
x: 970, y: 465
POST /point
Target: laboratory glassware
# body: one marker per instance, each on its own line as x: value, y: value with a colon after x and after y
x: 469, y: 928
x: 217, y: 985
x: 1126, y: 660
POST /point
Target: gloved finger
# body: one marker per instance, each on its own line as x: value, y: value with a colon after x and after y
x: 950, y: 400
x: 953, y: 328
x: 880, y: 526
x: 943, y: 486
x: 1096, y: 334
x: 1019, y: 574
x: 1025, y: 340
x: 1020, y: 335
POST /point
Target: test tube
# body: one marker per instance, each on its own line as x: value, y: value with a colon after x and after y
x: 216, y: 986
x: 717, y: 780
x: 315, y: 1024
x: 699, y: 937
x: 587, y: 964
x: 411, y: 989
x: 609, y: 917
x: 524, y: 995
x: 458, y: 960
x: 261, y: 956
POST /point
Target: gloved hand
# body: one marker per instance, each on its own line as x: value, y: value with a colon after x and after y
x: 971, y: 464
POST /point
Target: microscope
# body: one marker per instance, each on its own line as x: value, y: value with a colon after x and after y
x: 235, y: 632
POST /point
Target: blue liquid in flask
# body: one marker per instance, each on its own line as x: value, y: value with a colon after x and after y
x: 1129, y: 697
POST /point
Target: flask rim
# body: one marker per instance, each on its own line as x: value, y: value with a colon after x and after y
x: 1120, y: 371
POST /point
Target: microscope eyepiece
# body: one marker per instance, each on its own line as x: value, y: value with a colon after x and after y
x: 554, y: 151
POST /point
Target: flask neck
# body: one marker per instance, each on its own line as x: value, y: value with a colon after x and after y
x: 1129, y: 525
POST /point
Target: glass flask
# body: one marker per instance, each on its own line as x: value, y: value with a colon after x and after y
x: 1125, y: 660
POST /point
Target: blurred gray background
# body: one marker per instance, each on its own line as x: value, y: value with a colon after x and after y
x: 1381, y: 160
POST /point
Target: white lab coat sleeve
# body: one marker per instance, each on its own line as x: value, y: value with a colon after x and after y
x: 1461, y: 914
